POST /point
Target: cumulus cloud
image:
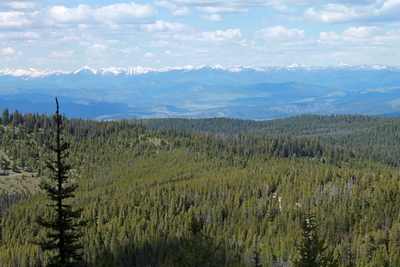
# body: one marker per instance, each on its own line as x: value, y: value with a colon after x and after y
x: 165, y: 4
x: 357, y: 33
x: 113, y: 14
x: 97, y: 48
x: 19, y: 36
x: 181, y: 12
x: 7, y: 51
x: 220, y: 36
x: 388, y: 10
x: 223, y: 2
x: 83, y: 23
x: 175, y: 11
x: 20, y: 5
x: 117, y: 14
x: 62, y: 54
x: 148, y: 55
x: 361, y: 45
x: 15, y: 19
x: 329, y: 36
x: 284, y: 9
x: 162, y: 26
x: 129, y: 50
x: 65, y: 26
x: 279, y: 32
x: 225, y: 10
x: 212, y: 17
x: 363, y: 35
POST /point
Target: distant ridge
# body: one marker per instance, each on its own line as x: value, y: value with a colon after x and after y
x: 205, y: 91
x: 138, y: 70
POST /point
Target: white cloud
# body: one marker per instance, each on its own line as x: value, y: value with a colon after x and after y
x: 357, y: 33
x: 332, y: 13
x: 381, y: 10
x: 222, y: 36
x: 113, y: 14
x: 175, y: 11
x: 10, y: 54
x: 38, y: 27
x: 21, y: 5
x: 364, y: 36
x: 60, y: 24
x: 162, y: 26
x: 329, y: 36
x: 279, y: 32
x: 97, y: 48
x: 165, y: 4
x: 285, y: 9
x: 218, y: 36
x: 11, y: 59
x: 232, y: 3
x: 159, y: 43
x: 181, y: 12
x: 130, y: 50
x: 212, y: 17
x: 7, y: 51
x: 15, y: 19
x: 389, y: 9
x: 148, y: 55
x: 225, y: 10
x: 62, y: 54
x: 19, y: 36
x: 360, y: 45
x: 61, y: 16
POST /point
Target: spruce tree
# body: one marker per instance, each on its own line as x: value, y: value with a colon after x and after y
x: 198, y: 249
x: 256, y: 261
x: 63, y: 229
x: 5, y: 117
x: 311, y: 251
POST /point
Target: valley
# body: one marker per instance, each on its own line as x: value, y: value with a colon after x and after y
x: 205, y: 91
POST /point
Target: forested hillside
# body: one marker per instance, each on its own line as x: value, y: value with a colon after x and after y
x: 232, y: 192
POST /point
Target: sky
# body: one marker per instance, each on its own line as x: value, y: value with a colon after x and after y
x: 69, y: 34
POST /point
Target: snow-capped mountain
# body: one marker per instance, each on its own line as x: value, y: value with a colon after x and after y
x: 205, y: 91
x: 34, y: 73
x: 30, y: 73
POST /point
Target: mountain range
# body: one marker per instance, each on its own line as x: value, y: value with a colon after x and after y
x: 205, y: 91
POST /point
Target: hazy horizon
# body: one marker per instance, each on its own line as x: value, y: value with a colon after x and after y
x: 67, y: 35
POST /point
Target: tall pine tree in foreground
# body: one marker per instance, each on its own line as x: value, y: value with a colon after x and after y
x: 62, y: 226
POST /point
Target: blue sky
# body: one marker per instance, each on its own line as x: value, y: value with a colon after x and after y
x: 69, y: 34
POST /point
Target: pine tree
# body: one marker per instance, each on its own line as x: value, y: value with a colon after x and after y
x: 197, y: 249
x: 256, y: 261
x: 5, y: 117
x: 62, y: 229
x: 311, y: 251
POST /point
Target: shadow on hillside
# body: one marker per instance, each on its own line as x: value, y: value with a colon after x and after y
x: 158, y: 252
x: 163, y: 251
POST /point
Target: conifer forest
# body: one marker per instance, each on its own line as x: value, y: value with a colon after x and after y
x: 309, y: 190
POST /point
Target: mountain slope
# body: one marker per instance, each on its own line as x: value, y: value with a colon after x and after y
x: 207, y: 91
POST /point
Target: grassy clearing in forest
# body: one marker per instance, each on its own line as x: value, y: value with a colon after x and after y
x: 18, y: 181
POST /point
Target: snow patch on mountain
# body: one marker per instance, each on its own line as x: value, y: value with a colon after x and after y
x: 395, y: 103
x: 86, y: 69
